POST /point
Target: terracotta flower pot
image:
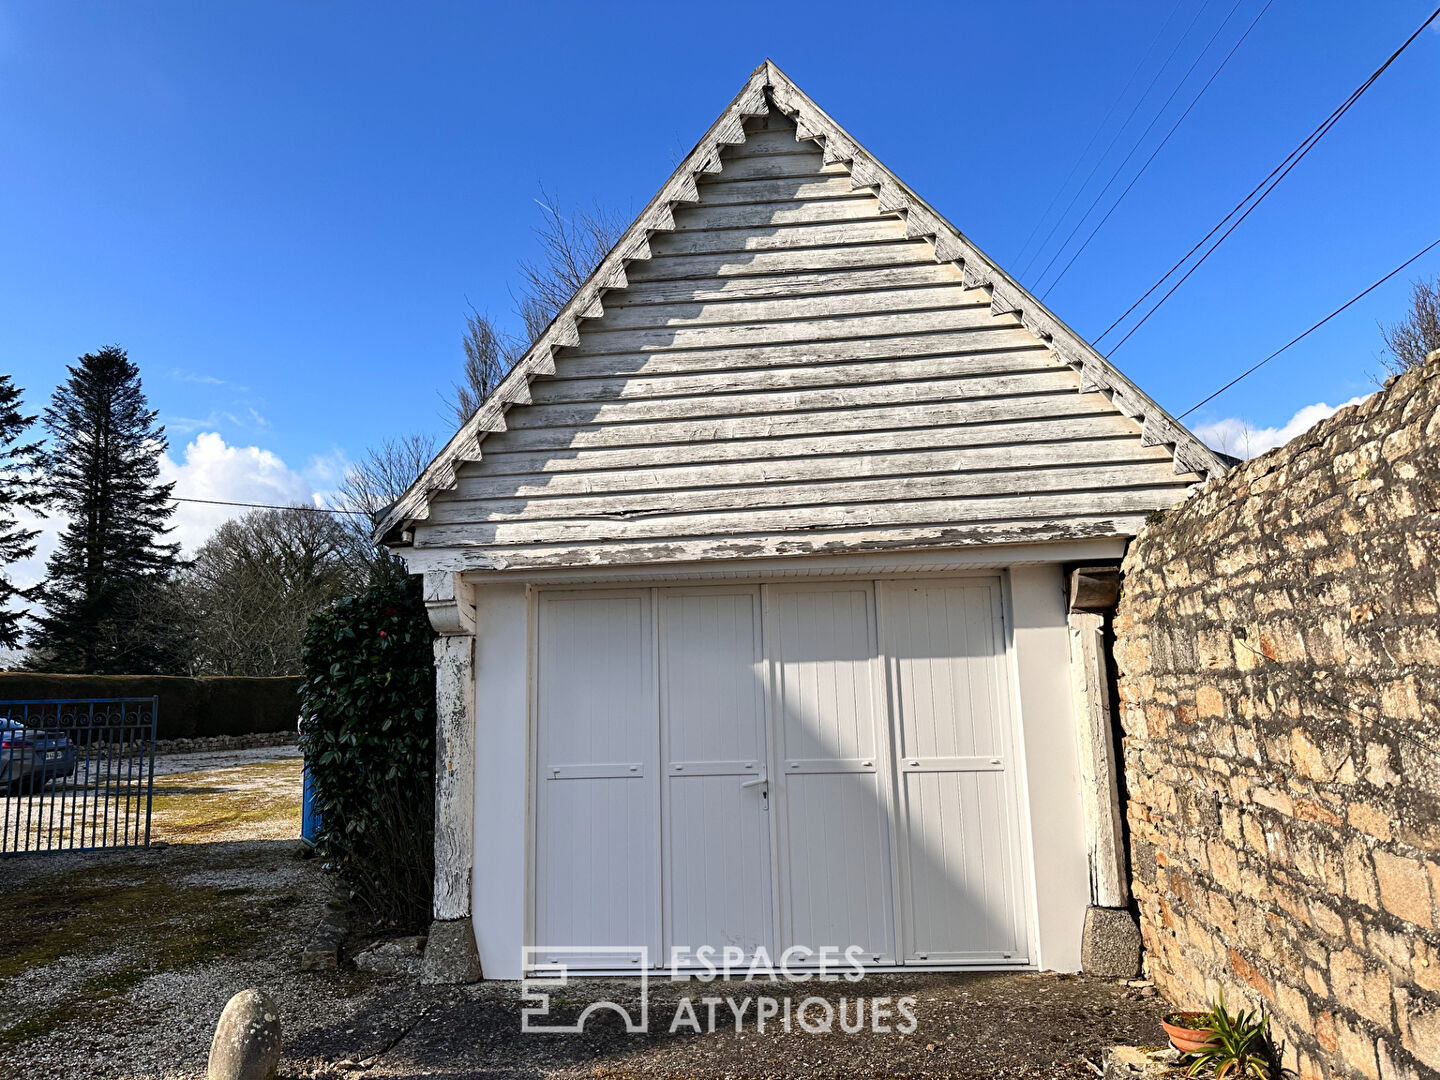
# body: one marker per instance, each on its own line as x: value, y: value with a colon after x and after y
x: 1184, y: 1036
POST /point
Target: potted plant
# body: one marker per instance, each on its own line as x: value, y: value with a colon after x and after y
x: 1233, y: 1047
x: 1189, y: 1032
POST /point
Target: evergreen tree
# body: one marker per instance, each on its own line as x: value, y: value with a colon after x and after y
x: 17, y: 488
x: 101, y: 470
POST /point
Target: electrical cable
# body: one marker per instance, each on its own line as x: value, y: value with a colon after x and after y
x: 1120, y: 131
x: 1273, y: 180
x: 1104, y: 120
x: 1299, y: 337
x: 270, y: 506
x: 1154, y: 153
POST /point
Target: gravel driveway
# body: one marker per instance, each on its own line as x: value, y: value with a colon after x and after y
x: 118, y: 964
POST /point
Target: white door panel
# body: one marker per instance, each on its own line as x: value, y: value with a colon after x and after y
x: 960, y: 887
x: 712, y: 707
x: 820, y: 765
x: 830, y: 770
x: 597, y: 842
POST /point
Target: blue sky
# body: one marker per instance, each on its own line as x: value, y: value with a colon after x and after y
x: 281, y: 209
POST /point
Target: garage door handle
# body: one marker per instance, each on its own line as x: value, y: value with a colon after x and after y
x: 755, y: 782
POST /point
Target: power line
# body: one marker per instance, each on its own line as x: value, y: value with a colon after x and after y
x: 1120, y: 131
x: 1154, y: 153
x: 1104, y: 120
x: 1273, y: 181
x: 1299, y: 337
x: 1126, y: 160
x: 270, y: 506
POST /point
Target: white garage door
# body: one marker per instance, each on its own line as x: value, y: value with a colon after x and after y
x: 767, y: 767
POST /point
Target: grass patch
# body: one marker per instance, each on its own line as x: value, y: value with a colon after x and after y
x: 251, y: 802
x: 132, y: 929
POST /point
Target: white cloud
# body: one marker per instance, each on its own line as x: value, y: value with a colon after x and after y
x: 1239, y: 437
x: 212, y: 469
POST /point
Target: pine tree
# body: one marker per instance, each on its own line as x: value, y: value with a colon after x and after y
x: 101, y: 471
x: 17, y: 488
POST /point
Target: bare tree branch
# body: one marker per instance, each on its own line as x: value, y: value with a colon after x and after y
x: 572, y: 244
x: 489, y: 354
x: 1416, y: 336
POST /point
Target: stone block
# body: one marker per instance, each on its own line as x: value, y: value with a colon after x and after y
x: 1404, y: 887
x: 246, y: 1045
x: 1110, y: 946
x: 394, y: 956
x: 451, y: 957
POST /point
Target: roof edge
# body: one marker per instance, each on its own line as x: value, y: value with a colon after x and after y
x: 767, y: 84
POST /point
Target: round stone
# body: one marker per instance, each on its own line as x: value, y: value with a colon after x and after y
x: 247, y: 1039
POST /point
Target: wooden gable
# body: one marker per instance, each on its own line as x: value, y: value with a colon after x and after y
x: 789, y: 369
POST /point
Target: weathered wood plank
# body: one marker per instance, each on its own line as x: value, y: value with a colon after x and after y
x: 1105, y: 432
x: 1034, y: 358
x: 597, y: 342
x: 775, y: 286
x: 840, y: 462
x: 728, y: 312
x: 804, y: 164
x: 762, y: 214
x: 735, y: 551
x: 779, y: 402
x: 662, y: 523
x: 959, y: 344
x: 720, y: 190
x: 892, y: 252
x: 890, y: 417
x: 780, y: 140
x: 778, y: 237
x: 758, y: 493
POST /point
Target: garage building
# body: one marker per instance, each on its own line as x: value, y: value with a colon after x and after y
x: 756, y: 585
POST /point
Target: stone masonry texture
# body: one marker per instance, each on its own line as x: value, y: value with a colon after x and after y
x: 1278, y: 652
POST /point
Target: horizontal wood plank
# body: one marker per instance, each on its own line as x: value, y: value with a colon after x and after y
x: 777, y: 402
x: 775, y: 165
x: 888, y: 252
x: 729, y: 312
x: 597, y: 342
x: 778, y: 237
x: 776, y: 286
x: 660, y: 522
x: 889, y: 417
x: 780, y: 140
x: 1027, y: 360
x: 877, y: 488
x: 1108, y: 434
x: 719, y: 190
x: 763, y: 214
x: 997, y: 336
x: 736, y: 551
x: 840, y: 462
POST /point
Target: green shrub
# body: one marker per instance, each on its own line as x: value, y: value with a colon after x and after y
x: 368, y: 734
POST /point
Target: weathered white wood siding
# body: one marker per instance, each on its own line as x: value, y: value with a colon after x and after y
x: 788, y: 374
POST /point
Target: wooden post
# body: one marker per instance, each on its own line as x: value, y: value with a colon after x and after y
x: 1110, y: 944
x: 450, y: 952
x: 1093, y: 592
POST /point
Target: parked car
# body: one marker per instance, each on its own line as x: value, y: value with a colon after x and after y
x: 30, y: 758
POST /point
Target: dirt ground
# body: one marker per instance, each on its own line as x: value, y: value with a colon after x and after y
x: 117, y: 965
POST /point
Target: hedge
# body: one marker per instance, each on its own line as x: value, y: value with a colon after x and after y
x: 369, y: 743
x: 189, y: 708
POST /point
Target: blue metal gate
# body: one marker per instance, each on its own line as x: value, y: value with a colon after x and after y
x: 76, y: 775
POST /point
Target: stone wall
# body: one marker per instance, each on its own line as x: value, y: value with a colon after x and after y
x: 1278, y: 651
